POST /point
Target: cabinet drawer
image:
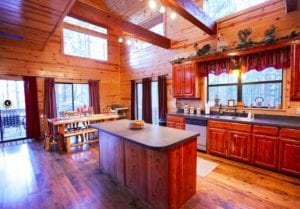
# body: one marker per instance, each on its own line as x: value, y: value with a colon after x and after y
x: 230, y: 126
x: 176, y: 119
x: 290, y: 133
x: 180, y: 126
x: 265, y: 130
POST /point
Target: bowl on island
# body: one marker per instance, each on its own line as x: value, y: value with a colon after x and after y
x: 136, y: 124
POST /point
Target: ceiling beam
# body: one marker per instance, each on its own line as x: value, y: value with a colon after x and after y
x: 99, y: 17
x: 190, y: 11
x: 291, y: 5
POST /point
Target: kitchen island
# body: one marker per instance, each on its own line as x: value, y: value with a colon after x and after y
x: 156, y: 163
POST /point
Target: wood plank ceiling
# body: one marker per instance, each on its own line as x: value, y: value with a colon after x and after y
x: 30, y: 23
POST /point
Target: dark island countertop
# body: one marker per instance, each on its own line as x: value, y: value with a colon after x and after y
x: 277, y: 121
x: 152, y: 136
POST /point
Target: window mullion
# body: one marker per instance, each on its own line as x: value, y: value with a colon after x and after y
x: 239, y: 88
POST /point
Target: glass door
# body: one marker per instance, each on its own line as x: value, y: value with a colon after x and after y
x: 12, y: 110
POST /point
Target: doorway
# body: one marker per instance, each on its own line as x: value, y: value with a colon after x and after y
x: 12, y: 110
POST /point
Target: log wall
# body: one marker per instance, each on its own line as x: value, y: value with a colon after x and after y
x: 153, y: 61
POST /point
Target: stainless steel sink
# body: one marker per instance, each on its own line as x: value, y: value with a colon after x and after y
x: 226, y: 117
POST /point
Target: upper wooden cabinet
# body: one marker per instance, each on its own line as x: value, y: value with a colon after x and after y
x: 295, y: 73
x: 185, y: 80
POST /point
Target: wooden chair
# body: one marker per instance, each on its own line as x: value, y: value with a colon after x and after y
x: 50, y: 139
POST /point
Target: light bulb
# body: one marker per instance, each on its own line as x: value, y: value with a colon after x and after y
x: 173, y: 15
x: 152, y: 4
x: 162, y: 9
x: 128, y: 42
x: 120, y: 40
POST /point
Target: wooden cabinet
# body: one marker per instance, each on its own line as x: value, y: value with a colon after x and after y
x: 230, y: 140
x: 176, y: 122
x: 239, y: 146
x: 265, y: 146
x: 289, y: 151
x: 217, y: 141
x: 295, y: 73
x: 177, y: 75
x: 185, y: 80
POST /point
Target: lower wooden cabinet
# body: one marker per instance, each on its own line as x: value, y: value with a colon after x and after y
x: 239, y: 146
x: 217, y: 141
x: 176, y: 122
x: 289, y: 151
x: 265, y: 146
x: 225, y: 139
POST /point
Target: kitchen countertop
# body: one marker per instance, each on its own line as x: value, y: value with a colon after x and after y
x: 278, y: 121
x: 152, y: 136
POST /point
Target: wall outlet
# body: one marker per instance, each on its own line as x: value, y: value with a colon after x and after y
x: 298, y: 110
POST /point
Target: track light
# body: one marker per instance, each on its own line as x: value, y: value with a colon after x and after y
x: 173, y: 15
x: 120, y: 40
x: 162, y: 9
x: 152, y: 4
x: 128, y: 42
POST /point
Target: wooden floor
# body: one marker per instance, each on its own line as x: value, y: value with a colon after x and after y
x: 33, y: 178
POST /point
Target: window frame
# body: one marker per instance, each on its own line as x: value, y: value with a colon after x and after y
x: 72, y: 84
x: 79, y: 29
x: 240, y: 84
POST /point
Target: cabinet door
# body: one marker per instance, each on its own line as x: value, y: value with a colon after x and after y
x: 188, y: 86
x: 265, y: 151
x: 239, y: 146
x: 170, y: 124
x: 289, y: 156
x: 295, y: 73
x: 177, y: 76
x: 217, y: 141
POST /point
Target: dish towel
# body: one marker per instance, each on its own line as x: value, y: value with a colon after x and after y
x: 204, y: 167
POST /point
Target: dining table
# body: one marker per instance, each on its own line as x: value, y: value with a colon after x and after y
x: 60, y: 123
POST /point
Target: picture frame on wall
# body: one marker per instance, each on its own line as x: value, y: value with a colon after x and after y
x: 231, y: 102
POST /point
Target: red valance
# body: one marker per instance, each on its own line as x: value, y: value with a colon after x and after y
x: 277, y: 58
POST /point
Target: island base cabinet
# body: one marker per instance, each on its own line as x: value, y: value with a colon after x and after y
x: 164, y: 178
x: 111, y: 156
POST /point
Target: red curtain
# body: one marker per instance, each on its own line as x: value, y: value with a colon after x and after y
x: 132, y: 100
x: 50, y: 99
x: 147, y: 102
x: 162, y: 96
x: 277, y: 58
x: 31, y: 105
x: 94, y: 96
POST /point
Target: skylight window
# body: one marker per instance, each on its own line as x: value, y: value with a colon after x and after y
x: 222, y: 8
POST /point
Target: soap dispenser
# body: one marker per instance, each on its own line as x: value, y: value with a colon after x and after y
x: 249, y: 115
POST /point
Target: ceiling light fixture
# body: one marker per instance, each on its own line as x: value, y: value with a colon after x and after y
x: 152, y: 4
x: 162, y: 9
x: 128, y: 42
x: 173, y: 15
x: 120, y: 40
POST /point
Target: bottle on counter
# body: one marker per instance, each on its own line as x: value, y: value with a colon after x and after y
x: 207, y: 108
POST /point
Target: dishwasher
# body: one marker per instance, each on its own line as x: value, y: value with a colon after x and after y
x: 198, y: 125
